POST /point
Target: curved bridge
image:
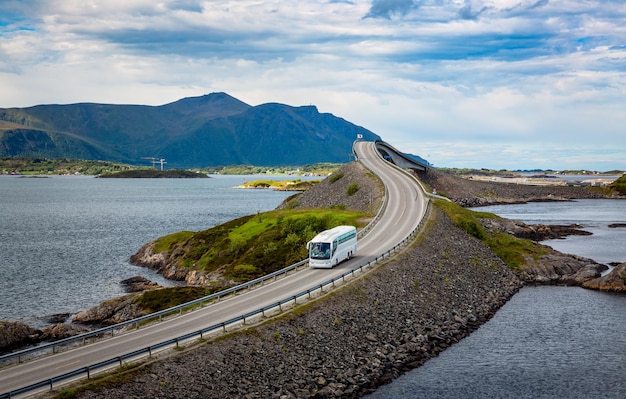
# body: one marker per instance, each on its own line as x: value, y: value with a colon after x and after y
x: 398, y: 158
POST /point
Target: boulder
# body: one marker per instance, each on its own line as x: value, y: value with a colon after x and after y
x: 138, y: 284
x: 615, y: 281
x: 534, y: 232
x: 62, y: 331
x: 14, y: 334
x: 113, y: 311
x: 557, y: 268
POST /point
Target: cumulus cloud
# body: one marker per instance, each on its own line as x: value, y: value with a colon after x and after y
x: 423, y: 74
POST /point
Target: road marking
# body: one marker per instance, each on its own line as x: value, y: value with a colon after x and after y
x: 67, y: 364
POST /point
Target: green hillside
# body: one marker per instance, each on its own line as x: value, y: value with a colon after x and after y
x: 211, y: 130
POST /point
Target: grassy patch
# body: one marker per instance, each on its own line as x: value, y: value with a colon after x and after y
x: 512, y: 250
x: 255, y: 245
x: 156, y: 300
x: 284, y: 185
x: 118, y: 377
x: 507, y: 247
x: 352, y: 189
x: 334, y: 177
x: 165, y: 243
x: 619, y: 185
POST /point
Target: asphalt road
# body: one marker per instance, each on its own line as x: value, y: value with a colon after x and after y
x: 404, y: 210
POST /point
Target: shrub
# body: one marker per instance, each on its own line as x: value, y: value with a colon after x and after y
x: 292, y: 204
x: 153, y: 301
x: 352, y: 189
x: 333, y: 178
x: 245, y: 271
x: 619, y: 185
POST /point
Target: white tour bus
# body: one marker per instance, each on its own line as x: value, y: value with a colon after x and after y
x: 330, y: 247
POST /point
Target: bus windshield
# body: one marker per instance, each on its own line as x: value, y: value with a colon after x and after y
x: 320, y: 250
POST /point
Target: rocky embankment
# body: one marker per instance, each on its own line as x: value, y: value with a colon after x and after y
x: 469, y: 193
x: 555, y: 267
x: 333, y: 191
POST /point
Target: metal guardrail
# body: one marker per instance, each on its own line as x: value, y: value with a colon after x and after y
x: 223, y: 325
x: 219, y: 326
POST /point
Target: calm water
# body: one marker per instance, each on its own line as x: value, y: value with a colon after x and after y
x: 65, y: 241
x: 546, y: 342
x: 604, y: 246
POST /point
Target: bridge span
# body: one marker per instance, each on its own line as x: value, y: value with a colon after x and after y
x: 400, y: 159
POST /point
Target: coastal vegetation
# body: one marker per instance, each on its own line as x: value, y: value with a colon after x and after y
x: 60, y: 166
x: 156, y: 300
x: 281, y: 185
x: 512, y: 250
x: 155, y: 174
x: 241, y: 250
x: 315, y: 169
x: 619, y: 185
x: 65, y: 166
x: 253, y: 245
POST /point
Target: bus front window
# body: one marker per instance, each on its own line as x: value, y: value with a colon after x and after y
x: 320, y: 250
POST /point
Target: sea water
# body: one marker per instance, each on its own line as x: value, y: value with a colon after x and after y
x: 65, y: 241
x: 546, y: 342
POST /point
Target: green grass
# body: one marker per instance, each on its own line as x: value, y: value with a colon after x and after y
x: 334, y: 177
x: 254, y: 245
x: 619, y: 185
x: 287, y: 185
x: 352, y: 189
x: 156, y: 300
x: 164, y: 243
x: 507, y: 247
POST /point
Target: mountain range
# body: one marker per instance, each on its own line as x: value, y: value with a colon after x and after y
x: 211, y: 130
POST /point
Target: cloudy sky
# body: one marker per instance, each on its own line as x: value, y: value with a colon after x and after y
x: 503, y: 84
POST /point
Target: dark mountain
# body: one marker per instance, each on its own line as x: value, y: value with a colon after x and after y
x: 215, y: 129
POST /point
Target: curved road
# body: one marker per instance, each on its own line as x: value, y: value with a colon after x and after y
x: 405, y: 208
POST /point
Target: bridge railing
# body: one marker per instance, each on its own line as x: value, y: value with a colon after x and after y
x: 175, y: 342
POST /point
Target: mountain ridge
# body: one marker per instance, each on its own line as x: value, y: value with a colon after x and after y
x: 210, y: 130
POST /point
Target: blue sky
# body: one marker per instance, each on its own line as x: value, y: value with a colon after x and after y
x: 503, y: 84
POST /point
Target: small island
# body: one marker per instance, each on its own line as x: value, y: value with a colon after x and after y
x: 280, y: 185
x: 155, y: 174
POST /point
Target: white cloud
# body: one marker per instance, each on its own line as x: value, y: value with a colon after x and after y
x: 515, y: 82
